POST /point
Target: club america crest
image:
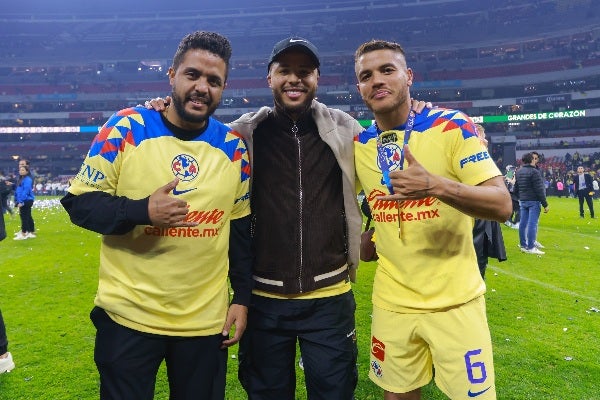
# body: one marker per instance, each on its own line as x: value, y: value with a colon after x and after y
x: 184, y: 167
x: 389, y: 156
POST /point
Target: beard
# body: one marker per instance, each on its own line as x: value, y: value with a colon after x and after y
x: 178, y: 103
x: 292, y: 109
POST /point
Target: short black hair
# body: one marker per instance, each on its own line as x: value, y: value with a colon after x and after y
x: 213, y: 42
x: 527, y: 158
x: 377, y: 44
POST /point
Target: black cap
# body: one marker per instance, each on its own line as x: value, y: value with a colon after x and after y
x: 296, y: 43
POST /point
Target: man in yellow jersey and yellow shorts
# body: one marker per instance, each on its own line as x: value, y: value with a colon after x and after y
x: 425, y: 176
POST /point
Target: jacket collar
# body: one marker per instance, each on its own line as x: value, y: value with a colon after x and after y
x: 304, y: 124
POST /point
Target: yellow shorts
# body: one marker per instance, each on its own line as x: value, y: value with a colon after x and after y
x: 406, y: 347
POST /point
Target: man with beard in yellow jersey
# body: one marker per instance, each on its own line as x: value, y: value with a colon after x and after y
x: 169, y: 192
x: 426, y: 176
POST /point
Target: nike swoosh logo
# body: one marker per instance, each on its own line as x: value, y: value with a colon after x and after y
x: 297, y: 40
x: 475, y: 394
x: 178, y: 192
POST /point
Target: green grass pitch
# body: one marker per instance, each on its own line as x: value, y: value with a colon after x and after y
x: 542, y: 310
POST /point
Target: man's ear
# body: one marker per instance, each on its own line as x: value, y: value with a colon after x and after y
x: 409, y: 81
x: 171, y: 75
x: 269, y: 80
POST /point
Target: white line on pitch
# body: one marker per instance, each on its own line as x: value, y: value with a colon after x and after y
x: 544, y: 284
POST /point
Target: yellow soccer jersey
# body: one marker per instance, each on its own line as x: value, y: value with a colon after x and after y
x: 168, y: 281
x: 434, y: 265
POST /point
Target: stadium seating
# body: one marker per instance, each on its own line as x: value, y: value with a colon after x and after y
x: 76, y: 69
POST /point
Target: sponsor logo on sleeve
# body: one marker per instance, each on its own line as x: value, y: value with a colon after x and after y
x: 474, y: 158
x: 91, y: 176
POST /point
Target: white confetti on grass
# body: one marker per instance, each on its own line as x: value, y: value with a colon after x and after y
x: 46, y: 204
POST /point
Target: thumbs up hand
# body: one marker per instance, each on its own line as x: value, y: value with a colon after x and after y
x: 167, y: 211
x: 413, y: 182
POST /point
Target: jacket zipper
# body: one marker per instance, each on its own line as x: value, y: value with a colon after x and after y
x: 300, y: 205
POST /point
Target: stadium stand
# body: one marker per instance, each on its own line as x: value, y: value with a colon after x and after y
x: 60, y: 72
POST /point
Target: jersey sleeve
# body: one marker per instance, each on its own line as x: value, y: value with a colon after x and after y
x: 241, y: 207
x: 471, y: 160
x: 100, y: 169
x: 91, y: 201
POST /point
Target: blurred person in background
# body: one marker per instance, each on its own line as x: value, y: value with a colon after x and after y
x: 560, y: 187
x: 535, y: 160
x: 24, y: 199
x: 5, y: 191
x: 23, y: 162
x: 6, y: 361
x: 510, y: 179
x: 172, y: 203
x: 532, y: 197
x: 570, y: 186
x: 487, y: 235
x: 584, y: 190
x: 2, y: 228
